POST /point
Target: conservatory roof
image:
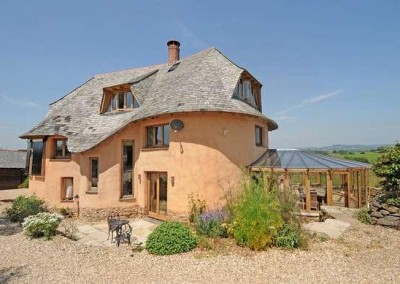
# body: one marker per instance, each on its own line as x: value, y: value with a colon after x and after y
x: 301, y: 159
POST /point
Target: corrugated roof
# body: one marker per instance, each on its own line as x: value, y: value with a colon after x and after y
x: 202, y: 82
x: 12, y: 159
x: 298, y: 159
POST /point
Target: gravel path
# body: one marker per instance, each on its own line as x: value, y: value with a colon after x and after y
x: 365, y: 254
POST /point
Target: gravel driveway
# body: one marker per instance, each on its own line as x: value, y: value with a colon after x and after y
x: 365, y: 254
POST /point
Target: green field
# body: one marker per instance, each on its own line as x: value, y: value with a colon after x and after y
x: 370, y: 156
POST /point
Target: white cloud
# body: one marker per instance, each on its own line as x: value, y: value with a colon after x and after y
x: 310, y: 101
x: 20, y: 102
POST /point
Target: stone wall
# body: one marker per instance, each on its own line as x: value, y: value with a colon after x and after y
x: 385, y: 215
x: 96, y: 214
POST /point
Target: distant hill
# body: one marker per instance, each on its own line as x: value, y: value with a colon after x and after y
x: 350, y: 148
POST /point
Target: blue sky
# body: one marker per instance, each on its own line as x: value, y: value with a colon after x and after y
x: 330, y: 69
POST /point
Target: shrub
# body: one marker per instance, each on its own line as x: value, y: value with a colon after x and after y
x: 393, y: 201
x: 255, y: 210
x: 42, y: 224
x: 363, y: 216
x: 24, y: 184
x: 196, y: 207
x: 210, y: 223
x: 289, y: 236
x: 171, y: 237
x: 388, y: 167
x: 23, y: 207
x: 66, y: 212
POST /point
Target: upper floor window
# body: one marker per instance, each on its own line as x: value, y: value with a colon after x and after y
x: 60, y: 149
x: 122, y: 101
x: 158, y: 136
x: 248, y: 90
x: 259, y: 134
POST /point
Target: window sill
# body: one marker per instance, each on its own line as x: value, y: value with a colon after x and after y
x: 63, y: 159
x: 33, y: 177
x: 67, y: 201
x: 149, y: 149
x: 92, y: 191
x: 127, y: 198
x: 261, y: 146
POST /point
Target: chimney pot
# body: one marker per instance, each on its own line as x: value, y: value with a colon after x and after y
x: 173, y: 51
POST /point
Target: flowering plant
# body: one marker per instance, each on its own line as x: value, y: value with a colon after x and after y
x: 211, y: 223
x: 42, y: 224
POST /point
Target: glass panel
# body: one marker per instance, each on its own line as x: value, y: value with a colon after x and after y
x: 121, y: 100
x: 37, y: 155
x: 166, y: 134
x: 68, y: 189
x: 153, y: 193
x: 109, y: 106
x: 158, y: 135
x: 127, y: 168
x: 258, y: 136
x: 163, y: 194
x: 67, y: 152
x: 114, y: 102
x: 240, y: 89
x: 129, y: 100
x: 94, y: 172
x: 247, y: 90
x: 150, y: 135
x: 135, y: 102
x: 59, y: 146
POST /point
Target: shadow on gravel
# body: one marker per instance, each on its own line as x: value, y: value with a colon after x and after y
x: 8, y: 228
x: 11, y: 274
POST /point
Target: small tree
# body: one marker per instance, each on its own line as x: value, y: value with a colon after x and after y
x: 388, y: 167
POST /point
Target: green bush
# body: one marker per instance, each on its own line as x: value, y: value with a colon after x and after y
x: 24, y: 184
x: 171, y: 237
x: 363, y: 216
x: 42, y: 224
x: 393, y: 201
x: 289, y: 236
x: 210, y: 223
x: 23, y: 207
x: 255, y: 210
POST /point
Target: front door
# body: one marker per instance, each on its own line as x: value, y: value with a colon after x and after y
x: 158, y: 195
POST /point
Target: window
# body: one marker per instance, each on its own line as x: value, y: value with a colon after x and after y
x: 36, y: 158
x: 67, y: 189
x: 121, y: 101
x: 61, y: 149
x: 94, y: 173
x: 248, y: 90
x: 158, y: 136
x: 258, y: 136
x: 128, y: 158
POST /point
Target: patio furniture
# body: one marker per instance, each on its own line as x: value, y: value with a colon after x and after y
x: 314, y: 201
x: 111, y: 220
x: 123, y: 233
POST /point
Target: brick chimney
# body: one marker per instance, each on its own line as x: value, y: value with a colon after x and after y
x: 173, y: 51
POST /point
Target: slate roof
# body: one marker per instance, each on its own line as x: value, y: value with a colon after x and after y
x: 202, y: 82
x: 297, y: 159
x: 12, y: 159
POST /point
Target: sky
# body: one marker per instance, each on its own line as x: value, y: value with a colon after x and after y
x: 330, y: 69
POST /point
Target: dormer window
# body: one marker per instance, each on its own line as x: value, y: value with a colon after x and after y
x: 248, y: 90
x: 118, y: 98
x: 122, y: 101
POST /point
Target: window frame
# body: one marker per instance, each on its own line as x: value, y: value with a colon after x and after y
x: 132, y: 195
x: 63, y: 191
x: 42, y: 159
x: 162, y: 144
x: 260, y: 129
x: 252, y: 95
x: 93, y: 189
x: 65, y: 153
x: 111, y: 101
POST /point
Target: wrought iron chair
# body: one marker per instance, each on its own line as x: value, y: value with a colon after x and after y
x: 123, y: 233
x: 112, y: 219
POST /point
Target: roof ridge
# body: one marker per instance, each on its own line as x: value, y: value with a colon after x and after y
x: 81, y: 85
x: 130, y: 69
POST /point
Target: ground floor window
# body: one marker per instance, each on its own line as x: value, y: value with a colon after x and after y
x: 67, y: 189
x: 36, y: 159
